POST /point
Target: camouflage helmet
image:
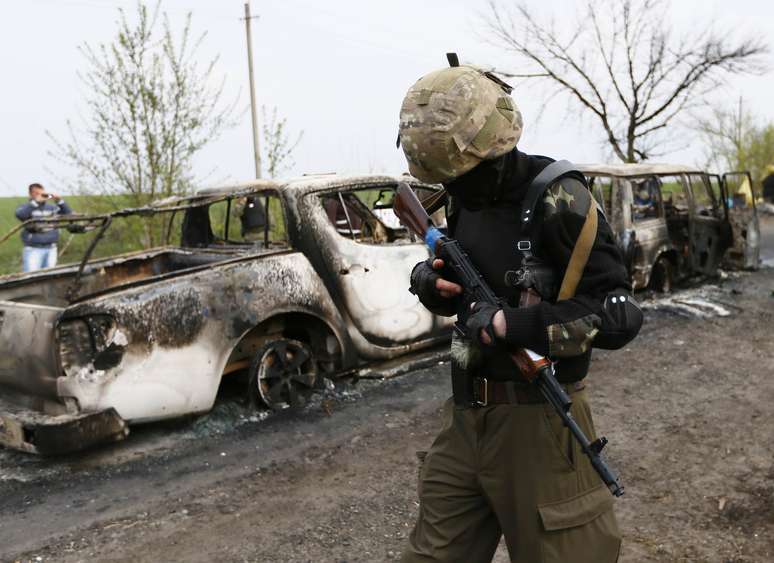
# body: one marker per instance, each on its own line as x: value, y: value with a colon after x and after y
x: 454, y: 118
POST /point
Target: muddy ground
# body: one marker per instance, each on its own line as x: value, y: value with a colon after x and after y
x: 687, y: 408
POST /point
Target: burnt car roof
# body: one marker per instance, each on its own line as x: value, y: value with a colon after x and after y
x: 298, y: 185
x: 639, y: 169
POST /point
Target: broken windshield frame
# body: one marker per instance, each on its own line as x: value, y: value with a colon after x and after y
x: 101, y: 222
x: 369, y: 207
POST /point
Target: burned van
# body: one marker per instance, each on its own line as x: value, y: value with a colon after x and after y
x: 674, y: 221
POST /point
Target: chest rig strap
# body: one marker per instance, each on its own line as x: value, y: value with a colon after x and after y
x: 544, y: 180
x: 582, y: 249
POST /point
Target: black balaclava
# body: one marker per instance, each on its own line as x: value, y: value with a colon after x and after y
x: 484, y: 185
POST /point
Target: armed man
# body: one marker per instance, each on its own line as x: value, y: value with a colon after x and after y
x: 504, y: 462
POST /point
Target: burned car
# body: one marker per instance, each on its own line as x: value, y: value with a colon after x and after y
x: 282, y: 282
x: 675, y: 221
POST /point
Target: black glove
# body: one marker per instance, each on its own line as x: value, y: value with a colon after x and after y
x: 480, y: 318
x: 423, y: 278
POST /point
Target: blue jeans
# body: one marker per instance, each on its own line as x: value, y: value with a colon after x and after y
x: 37, y: 257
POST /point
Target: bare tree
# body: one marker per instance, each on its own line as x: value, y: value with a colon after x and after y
x: 150, y: 108
x: 622, y: 64
x: 278, y: 145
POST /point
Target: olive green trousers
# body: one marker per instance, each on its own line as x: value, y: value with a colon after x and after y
x: 512, y: 470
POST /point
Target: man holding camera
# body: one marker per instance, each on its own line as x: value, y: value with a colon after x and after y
x: 40, y: 240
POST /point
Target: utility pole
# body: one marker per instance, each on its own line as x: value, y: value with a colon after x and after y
x: 254, y: 110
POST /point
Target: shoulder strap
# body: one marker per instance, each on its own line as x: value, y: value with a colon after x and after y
x: 582, y: 249
x: 540, y: 184
x: 435, y: 201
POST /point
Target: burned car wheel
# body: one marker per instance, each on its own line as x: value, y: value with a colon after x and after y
x: 282, y: 374
x: 661, y: 277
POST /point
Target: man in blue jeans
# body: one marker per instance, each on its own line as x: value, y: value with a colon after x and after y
x: 40, y: 240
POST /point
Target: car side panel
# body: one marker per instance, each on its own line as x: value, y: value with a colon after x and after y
x: 372, y: 280
x: 179, y: 334
x: 28, y: 365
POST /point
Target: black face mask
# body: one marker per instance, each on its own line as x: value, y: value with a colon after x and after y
x: 481, y: 186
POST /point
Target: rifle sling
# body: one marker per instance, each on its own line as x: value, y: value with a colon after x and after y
x: 582, y: 249
x: 580, y: 254
x: 434, y: 201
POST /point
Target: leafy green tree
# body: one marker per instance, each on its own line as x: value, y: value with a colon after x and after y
x: 150, y: 108
x: 278, y: 144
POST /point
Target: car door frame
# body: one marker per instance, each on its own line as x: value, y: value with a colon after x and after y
x: 331, y: 261
x: 707, y: 233
x: 744, y: 226
x: 650, y: 236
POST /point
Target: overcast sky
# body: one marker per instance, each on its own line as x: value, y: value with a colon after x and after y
x: 337, y: 70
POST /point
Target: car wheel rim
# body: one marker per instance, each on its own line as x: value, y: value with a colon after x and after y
x: 286, y: 374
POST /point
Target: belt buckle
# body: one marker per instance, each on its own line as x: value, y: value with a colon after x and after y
x: 477, y: 402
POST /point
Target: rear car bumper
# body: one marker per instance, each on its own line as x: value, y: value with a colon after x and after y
x: 31, y: 431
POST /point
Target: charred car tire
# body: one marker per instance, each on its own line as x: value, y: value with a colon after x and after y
x: 282, y: 374
x: 662, y: 276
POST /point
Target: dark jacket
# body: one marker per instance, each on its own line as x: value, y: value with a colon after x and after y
x: 41, y: 235
x: 768, y: 188
x: 565, y: 330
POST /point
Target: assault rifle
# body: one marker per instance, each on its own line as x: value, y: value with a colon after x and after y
x: 533, y: 367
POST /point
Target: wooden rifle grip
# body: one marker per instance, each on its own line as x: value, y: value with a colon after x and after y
x: 527, y: 368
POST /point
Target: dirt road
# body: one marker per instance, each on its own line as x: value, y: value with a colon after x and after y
x: 687, y: 408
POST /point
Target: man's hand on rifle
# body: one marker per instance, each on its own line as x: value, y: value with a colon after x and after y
x: 445, y: 288
x: 485, y: 320
x: 488, y: 321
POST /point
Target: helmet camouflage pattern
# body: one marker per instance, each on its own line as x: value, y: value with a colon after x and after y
x: 454, y: 118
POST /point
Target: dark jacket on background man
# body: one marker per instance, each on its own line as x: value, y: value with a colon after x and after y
x: 487, y: 226
x: 44, y: 235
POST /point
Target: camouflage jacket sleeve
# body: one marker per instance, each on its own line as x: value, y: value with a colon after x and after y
x: 602, y: 313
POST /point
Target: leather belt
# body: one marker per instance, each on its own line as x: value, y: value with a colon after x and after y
x: 490, y: 392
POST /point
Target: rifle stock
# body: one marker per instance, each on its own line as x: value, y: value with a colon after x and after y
x: 410, y: 211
